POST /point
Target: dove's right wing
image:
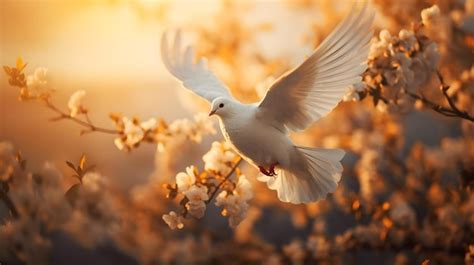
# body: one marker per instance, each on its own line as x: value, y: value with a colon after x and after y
x: 194, y: 76
x: 313, y: 89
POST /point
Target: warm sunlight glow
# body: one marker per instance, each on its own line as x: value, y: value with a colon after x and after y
x: 266, y: 132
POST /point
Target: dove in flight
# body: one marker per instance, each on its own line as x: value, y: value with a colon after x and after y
x: 259, y: 132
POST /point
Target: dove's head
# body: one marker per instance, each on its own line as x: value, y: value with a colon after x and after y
x: 223, y: 107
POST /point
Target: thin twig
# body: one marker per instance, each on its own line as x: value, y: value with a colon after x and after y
x: 88, y: 124
x: 452, y: 111
x: 224, y: 180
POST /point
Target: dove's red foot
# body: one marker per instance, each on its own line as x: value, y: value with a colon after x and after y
x: 270, y: 172
x: 264, y: 171
x: 272, y: 169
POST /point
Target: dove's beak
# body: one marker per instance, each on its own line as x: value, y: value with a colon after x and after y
x: 212, y: 112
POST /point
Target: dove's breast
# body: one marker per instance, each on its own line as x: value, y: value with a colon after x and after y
x: 258, y: 143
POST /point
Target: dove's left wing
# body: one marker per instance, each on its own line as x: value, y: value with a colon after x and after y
x: 194, y: 76
x: 313, y: 89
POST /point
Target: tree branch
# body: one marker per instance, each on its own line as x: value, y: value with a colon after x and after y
x: 452, y: 111
x: 224, y: 180
x: 88, y: 124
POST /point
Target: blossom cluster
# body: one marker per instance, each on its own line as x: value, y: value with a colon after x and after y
x: 197, y: 189
x: 235, y: 203
x: 132, y: 132
x: 398, y: 66
x: 39, y: 205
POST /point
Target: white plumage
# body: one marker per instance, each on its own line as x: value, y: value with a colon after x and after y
x: 259, y: 132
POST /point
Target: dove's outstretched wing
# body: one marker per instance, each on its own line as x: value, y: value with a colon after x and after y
x: 313, y: 89
x: 194, y: 75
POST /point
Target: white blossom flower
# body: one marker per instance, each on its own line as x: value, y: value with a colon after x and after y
x: 236, y: 204
x: 197, y: 193
x: 385, y: 36
x: 196, y: 208
x: 402, y: 60
x: 75, y: 103
x: 184, y: 180
x: 429, y: 15
x: 377, y: 49
x: 37, y: 82
x: 352, y: 93
x: 219, y: 158
x: 203, y: 125
x: 234, y: 208
x: 432, y: 56
x: 119, y: 143
x: 244, y: 188
x: 149, y: 124
x: 133, y: 134
x: 408, y: 39
x: 182, y: 129
x: 173, y: 220
x: 186, y: 129
x: 180, y: 126
x: 93, y: 181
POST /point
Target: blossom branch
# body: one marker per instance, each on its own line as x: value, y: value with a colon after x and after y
x: 197, y: 190
x: 88, y: 124
x: 453, y: 111
x: 213, y: 194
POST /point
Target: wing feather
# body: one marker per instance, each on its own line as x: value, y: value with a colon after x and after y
x: 315, y: 87
x: 193, y: 76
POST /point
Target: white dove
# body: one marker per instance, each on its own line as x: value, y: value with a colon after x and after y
x: 259, y: 132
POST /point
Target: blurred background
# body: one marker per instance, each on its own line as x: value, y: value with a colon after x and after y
x: 111, y: 49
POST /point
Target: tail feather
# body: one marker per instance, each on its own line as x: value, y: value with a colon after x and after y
x: 314, y: 177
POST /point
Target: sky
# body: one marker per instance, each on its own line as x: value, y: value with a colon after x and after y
x: 111, y: 50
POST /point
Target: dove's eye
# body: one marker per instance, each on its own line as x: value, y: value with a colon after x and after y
x: 221, y: 105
